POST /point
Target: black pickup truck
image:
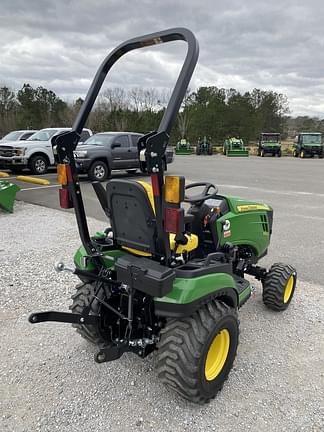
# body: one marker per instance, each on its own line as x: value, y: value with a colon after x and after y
x: 108, y: 151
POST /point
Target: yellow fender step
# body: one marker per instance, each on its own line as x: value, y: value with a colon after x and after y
x: 35, y: 180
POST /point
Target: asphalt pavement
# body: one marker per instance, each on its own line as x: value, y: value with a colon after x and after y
x: 293, y: 187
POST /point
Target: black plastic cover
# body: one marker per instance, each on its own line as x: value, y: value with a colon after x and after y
x: 145, y: 275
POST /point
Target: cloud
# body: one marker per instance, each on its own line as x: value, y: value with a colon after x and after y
x: 59, y: 45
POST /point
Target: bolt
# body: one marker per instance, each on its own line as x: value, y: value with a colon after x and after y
x: 81, y: 320
x: 101, y: 357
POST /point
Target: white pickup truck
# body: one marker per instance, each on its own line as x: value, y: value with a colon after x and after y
x: 35, y: 153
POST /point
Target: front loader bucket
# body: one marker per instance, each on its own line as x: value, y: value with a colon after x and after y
x: 7, y: 195
x: 239, y: 153
x: 183, y: 151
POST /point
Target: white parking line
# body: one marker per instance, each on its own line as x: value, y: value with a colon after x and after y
x: 272, y: 191
x: 39, y: 187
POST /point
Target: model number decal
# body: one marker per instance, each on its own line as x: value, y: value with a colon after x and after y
x: 251, y: 207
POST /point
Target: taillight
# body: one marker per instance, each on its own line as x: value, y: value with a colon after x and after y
x: 173, y: 220
x: 65, y: 199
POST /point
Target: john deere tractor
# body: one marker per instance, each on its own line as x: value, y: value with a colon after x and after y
x: 204, y: 147
x: 269, y: 143
x: 235, y: 147
x: 158, y: 279
x: 183, y: 147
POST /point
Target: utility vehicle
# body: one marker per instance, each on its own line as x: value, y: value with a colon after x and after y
x: 159, y: 280
x: 308, y: 144
x: 269, y: 143
x: 204, y: 146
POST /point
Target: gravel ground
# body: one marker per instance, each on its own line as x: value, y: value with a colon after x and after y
x: 49, y: 381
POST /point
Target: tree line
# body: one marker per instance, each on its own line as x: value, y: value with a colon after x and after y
x: 211, y: 111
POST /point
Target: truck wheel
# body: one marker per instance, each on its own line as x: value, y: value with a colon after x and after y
x: 262, y: 153
x: 279, y: 286
x: 302, y: 154
x: 195, y: 354
x: 295, y: 153
x: 98, y: 171
x: 320, y: 155
x: 80, y: 300
x: 38, y: 164
x: 279, y: 153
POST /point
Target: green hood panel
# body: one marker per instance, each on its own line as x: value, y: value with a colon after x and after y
x: 189, y: 290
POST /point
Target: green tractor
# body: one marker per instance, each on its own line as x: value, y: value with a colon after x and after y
x: 308, y: 144
x: 204, y: 147
x: 183, y: 147
x: 235, y: 147
x: 158, y: 279
x: 269, y: 143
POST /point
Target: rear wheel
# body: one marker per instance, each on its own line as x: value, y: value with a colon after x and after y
x: 279, y: 153
x: 302, y: 154
x: 262, y: 153
x: 38, y: 164
x: 320, y: 155
x: 98, y: 171
x: 295, y: 153
x: 195, y: 354
x: 80, y: 300
x: 279, y: 286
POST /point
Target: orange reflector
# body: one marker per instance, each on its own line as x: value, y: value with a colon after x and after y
x: 62, y: 176
x: 174, y: 189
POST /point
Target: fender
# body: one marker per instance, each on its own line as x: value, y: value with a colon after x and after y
x: 190, y: 294
x: 31, y: 150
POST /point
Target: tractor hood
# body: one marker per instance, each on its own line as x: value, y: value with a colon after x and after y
x: 239, y: 205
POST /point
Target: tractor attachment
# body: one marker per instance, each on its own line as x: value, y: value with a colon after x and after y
x: 7, y: 195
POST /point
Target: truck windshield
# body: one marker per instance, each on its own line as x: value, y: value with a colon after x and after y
x: 100, y: 139
x: 43, y: 135
x: 12, y: 136
x: 312, y: 139
x: 270, y: 138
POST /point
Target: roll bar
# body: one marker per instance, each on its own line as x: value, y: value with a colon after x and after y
x: 154, y: 144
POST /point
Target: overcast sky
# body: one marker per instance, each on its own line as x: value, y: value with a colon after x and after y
x: 277, y: 45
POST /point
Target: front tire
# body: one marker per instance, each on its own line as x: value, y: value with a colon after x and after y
x: 262, y: 153
x: 98, y: 171
x: 195, y: 354
x: 38, y: 165
x: 302, y: 154
x: 279, y: 286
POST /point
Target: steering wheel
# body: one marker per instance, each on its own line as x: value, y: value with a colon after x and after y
x: 204, y: 194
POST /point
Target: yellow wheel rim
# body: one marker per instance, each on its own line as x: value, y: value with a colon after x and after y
x: 288, y: 289
x: 217, y: 355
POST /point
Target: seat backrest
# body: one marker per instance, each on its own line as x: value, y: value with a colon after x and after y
x: 131, y: 214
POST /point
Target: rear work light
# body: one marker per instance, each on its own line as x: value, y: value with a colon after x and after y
x: 173, y: 220
x: 174, y: 187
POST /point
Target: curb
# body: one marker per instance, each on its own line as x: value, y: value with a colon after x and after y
x: 34, y: 180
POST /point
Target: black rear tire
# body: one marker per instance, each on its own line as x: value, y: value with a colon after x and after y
x: 80, y: 300
x: 185, y: 345
x: 98, y: 171
x: 38, y: 165
x: 279, y: 286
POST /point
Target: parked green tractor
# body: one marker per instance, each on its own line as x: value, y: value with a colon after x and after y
x: 8, y: 192
x: 204, y: 147
x: 159, y: 279
x: 308, y: 144
x: 183, y: 147
x: 235, y: 147
x: 269, y: 143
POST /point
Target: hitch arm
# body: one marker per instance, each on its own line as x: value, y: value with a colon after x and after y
x: 65, y: 317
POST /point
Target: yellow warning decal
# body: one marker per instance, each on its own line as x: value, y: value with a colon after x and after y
x: 252, y: 207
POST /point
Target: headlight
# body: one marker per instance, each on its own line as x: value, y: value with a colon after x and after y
x: 80, y: 153
x: 19, y: 151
